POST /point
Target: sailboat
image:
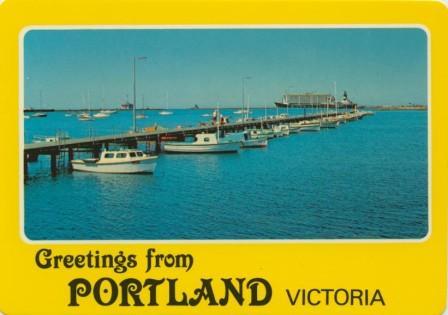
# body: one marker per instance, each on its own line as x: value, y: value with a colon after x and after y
x: 39, y: 114
x: 166, y: 112
x: 142, y: 116
x: 102, y: 113
x: 86, y: 116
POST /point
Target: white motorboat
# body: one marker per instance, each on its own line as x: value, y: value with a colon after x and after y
x: 118, y: 162
x: 204, y: 143
x: 241, y: 111
x: 280, y: 130
x: 307, y: 125
x: 85, y: 117
x: 39, y: 115
x: 68, y: 115
x: 294, y: 128
x: 109, y: 111
x: 26, y: 117
x: 101, y: 114
x: 329, y: 123
x: 284, y: 129
x: 253, y: 142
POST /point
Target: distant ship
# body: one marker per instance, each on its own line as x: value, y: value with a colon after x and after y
x: 309, y: 100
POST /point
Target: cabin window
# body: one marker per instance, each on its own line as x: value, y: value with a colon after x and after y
x: 206, y: 139
x: 132, y: 154
x: 140, y: 154
x: 121, y: 155
x: 109, y: 155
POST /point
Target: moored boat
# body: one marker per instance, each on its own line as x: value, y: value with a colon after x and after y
x: 204, y: 143
x: 39, y: 115
x: 118, y: 162
x: 307, y: 126
x: 85, y: 117
x: 101, y: 114
x: 329, y: 123
x: 256, y: 142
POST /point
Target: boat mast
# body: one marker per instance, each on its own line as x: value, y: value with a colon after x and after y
x: 243, y: 81
x: 248, y: 106
x: 88, y: 101
x: 335, y: 99
x: 218, y: 122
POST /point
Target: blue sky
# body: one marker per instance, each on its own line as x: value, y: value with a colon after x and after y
x: 204, y: 67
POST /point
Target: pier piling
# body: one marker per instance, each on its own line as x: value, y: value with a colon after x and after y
x: 53, y: 162
x: 70, y: 158
x: 25, y: 166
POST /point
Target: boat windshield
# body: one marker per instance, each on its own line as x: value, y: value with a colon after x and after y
x: 132, y: 154
x: 121, y: 155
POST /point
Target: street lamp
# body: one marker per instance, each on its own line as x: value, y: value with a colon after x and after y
x: 134, y: 106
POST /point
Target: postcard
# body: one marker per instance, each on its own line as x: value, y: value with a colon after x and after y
x: 220, y: 157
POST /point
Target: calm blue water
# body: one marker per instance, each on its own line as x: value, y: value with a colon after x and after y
x: 365, y: 179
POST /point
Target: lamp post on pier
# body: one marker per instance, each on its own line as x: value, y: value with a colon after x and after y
x: 134, y: 105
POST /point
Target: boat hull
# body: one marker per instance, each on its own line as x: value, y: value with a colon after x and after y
x: 201, y: 148
x: 329, y: 124
x: 312, y: 128
x: 255, y: 143
x: 134, y: 167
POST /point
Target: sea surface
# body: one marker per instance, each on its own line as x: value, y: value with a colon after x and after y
x: 367, y: 179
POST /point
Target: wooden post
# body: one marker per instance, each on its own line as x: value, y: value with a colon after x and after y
x: 158, y: 148
x: 70, y: 158
x: 25, y: 166
x: 96, y: 152
x: 54, y: 168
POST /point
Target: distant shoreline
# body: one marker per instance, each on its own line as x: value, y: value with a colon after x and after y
x: 395, y: 107
x: 365, y: 107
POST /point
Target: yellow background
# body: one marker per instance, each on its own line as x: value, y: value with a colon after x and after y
x: 411, y: 276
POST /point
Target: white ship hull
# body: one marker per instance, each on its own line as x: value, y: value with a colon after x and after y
x: 134, y: 167
x: 182, y: 147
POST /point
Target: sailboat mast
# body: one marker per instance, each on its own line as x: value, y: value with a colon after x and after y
x: 218, y: 122
x: 335, y: 99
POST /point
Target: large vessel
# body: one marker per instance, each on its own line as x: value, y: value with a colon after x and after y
x: 315, y: 100
x: 118, y: 162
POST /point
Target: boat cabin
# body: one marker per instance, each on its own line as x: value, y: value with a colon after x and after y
x: 107, y: 156
x: 206, y: 138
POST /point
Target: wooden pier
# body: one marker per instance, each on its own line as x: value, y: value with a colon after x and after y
x: 95, y: 144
